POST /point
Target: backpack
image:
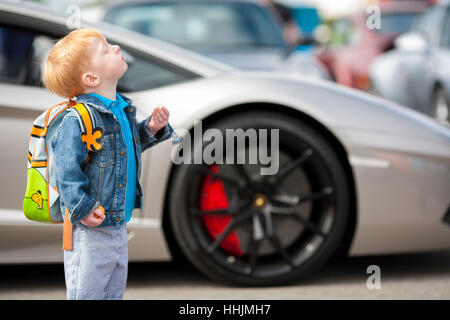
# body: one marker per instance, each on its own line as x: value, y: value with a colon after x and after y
x: 41, y: 200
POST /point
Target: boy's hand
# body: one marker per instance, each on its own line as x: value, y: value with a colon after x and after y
x: 94, y: 219
x: 160, y: 118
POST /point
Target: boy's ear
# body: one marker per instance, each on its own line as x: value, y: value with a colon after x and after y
x: 90, y: 79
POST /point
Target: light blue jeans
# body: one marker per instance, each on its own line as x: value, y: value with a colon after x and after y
x: 97, y: 267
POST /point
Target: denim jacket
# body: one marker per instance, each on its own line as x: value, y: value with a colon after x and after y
x: 87, y: 179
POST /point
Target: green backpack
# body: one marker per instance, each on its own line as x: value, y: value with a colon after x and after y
x: 41, y: 200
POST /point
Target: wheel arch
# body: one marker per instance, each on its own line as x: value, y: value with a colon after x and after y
x: 337, y: 146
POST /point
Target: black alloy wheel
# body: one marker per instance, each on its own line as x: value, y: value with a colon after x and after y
x: 242, y: 228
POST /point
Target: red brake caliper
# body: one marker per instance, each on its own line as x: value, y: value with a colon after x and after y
x: 213, y: 197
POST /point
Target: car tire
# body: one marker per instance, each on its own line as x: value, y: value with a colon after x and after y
x: 292, y: 248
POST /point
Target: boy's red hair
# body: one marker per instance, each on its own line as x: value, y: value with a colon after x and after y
x: 66, y: 61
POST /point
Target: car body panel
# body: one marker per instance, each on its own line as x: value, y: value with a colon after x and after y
x: 412, y: 154
x: 400, y: 159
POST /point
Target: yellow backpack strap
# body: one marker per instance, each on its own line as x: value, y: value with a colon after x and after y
x: 89, y: 135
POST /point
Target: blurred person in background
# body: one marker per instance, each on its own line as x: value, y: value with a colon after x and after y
x: 291, y: 30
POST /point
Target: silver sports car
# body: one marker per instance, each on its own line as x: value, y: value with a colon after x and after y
x: 357, y: 174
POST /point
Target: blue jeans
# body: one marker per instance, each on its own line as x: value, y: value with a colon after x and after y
x: 97, y: 267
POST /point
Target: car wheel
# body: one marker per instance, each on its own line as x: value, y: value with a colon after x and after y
x: 242, y: 228
x: 441, y: 106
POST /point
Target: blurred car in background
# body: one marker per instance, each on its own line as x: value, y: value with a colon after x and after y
x: 357, y: 174
x: 353, y: 45
x: 417, y: 72
x: 243, y: 33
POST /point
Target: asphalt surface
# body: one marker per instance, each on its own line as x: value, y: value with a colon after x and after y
x: 406, y: 276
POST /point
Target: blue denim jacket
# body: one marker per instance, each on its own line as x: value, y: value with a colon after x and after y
x: 87, y: 179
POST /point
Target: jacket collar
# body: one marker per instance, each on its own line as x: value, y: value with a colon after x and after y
x: 97, y: 103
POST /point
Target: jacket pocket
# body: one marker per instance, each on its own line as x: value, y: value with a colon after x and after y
x: 106, y: 156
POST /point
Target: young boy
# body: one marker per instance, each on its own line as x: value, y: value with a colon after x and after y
x: 98, y: 190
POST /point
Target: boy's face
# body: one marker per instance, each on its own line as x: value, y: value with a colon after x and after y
x: 106, y: 61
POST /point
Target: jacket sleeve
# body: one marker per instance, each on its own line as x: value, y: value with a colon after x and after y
x: 147, y: 138
x: 69, y: 153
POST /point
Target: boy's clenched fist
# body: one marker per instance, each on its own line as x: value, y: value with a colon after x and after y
x: 94, y: 219
x: 159, y: 119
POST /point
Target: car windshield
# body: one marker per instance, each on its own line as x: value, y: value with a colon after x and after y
x: 396, y: 22
x: 201, y: 25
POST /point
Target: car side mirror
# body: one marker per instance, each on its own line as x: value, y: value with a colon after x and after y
x: 411, y: 42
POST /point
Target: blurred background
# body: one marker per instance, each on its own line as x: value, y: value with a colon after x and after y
x: 390, y: 48
x: 396, y: 50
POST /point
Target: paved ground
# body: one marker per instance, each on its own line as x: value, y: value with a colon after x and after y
x: 411, y: 276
